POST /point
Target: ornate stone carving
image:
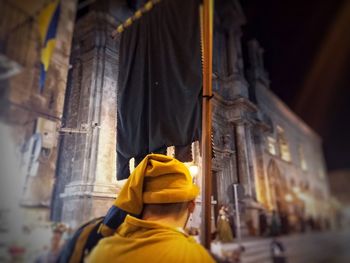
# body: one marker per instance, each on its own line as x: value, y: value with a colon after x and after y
x: 89, y: 170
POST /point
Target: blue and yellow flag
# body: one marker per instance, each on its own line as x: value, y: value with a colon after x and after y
x: 48, y: 21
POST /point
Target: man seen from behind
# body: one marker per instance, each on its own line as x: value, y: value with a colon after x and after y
x: 161, y: 192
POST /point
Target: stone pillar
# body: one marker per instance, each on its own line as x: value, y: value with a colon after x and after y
x: 252, y: 161
x: 234, y: 84
x: 232, y: 53
x: 254, y: 178
x: 262, y: 184
x: 87, y: 167
x: 242, y: 157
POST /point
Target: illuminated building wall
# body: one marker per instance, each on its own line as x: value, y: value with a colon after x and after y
x: 30, y: 117
x: 258, y: 142
x: 86, y: 169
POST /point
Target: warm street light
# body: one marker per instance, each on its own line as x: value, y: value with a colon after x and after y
x: 132, y: 165
x: 296, y: 189
x: 288, y: 197
x: 194, y: 170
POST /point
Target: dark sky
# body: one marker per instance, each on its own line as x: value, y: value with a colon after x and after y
x: 307, y: 55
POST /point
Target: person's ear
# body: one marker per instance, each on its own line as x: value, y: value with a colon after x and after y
x: 191, y: 206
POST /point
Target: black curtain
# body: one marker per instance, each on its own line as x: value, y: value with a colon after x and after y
x: 159, y: 84
x: 135, y: 4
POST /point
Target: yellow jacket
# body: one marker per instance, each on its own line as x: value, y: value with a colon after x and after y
x: 138, y: 240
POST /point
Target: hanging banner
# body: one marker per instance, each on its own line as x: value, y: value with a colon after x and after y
x: 47, y: 23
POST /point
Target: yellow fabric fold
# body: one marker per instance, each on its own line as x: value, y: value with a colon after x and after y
x: 139, y: 241
x: 157, y: 179
x: 105, y: 230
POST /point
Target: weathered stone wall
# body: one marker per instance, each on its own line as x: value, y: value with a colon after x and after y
x: 87, y: 165
x: 309, y: 183
x: 231, y: 107
x: 241, y: 121
x: 28, y: 177
x: 24, y: 106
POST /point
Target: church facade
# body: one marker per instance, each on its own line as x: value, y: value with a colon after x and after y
x: 258, y: 142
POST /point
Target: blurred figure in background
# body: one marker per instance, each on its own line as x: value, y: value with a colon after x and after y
x: 224, y: 230
x: 275, y: 227
x: 263, y: 226
x: 277, y: 251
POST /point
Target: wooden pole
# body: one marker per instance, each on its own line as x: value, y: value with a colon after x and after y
x: 207, y: 50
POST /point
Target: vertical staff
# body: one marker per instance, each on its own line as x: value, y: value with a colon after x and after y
x: 206, y: 14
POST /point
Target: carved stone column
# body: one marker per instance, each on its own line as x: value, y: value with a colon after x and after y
x: 252, y: 161
x: 244, y: 158
x: 232, y: 53
x: 87, y: 168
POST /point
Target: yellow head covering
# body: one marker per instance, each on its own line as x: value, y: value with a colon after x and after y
x: 157, y: 179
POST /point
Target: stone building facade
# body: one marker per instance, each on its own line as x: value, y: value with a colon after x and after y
x: 30, y: 119
x: 295, y: 182
x: 86, y: 184
x: 258, y: 142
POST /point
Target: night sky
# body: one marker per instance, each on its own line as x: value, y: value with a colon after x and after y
x: 307, y: 55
